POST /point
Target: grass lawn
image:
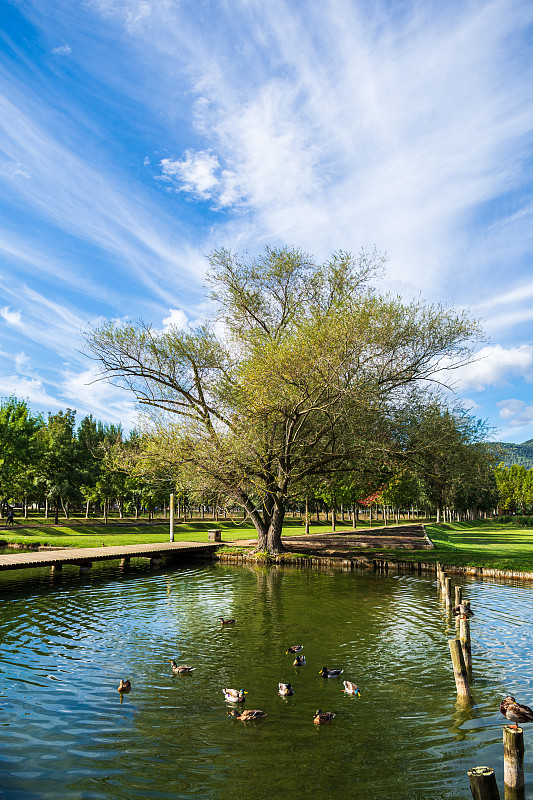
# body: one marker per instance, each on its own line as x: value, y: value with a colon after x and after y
x: 482, y: 544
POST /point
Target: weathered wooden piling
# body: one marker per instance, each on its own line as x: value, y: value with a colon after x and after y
x: 458, y: 595
x: 448, y: 592
x: 513, y: 757
x: 464, y: 638
x: 459, y: 670
x: 483, y: 783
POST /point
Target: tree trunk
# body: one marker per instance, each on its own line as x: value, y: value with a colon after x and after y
x: 87, y: 509
x: 274, y: 545
x: 306, y: 517
x: 333, y: 518
x: 56, y: 516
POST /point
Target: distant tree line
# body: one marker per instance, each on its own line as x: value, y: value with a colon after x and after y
x: 51, y: 463
x: 515, y: 489
x: 93, y: 468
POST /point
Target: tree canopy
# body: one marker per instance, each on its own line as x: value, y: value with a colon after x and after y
x: 305, y: 371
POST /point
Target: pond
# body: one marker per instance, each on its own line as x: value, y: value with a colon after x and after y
x: 65, y: 644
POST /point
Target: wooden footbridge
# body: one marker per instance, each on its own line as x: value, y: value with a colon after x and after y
x: 85, y: 556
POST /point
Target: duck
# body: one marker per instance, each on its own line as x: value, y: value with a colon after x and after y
x: 285, y: 689
x: 247, y: 715
x: 462, y: 610
x: 299, y: 661
x: 124, y: 686
x: 323, y: 717
x: 351, y: 688
x: 330, y: 673
x: 515, y: 712
x: 295, y: 649
x: 226, y: 621
x: 180, y: 668
x: 234, y: 695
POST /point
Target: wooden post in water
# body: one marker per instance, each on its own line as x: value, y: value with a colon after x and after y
x: 464, y: 638
x: 171, y: 516
x: 459, y: 670
x: 458, y: 595
x: 513, y: 758
x: 483, y: 783
x: 448, y: 592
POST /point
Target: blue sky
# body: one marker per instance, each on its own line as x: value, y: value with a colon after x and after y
x: 136, y: 136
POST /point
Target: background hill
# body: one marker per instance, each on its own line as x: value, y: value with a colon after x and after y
x: 517, y: 453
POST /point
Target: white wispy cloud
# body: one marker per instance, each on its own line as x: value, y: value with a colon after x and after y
x: 79, y: 197
x: 515, y: 413
x: 11, y: 317
x: 177, y: 318
x: 350, y: 125
x: 88, y: 394
x: 22, y: 363
x: 496, y: 366
x: 196, y: 173
x: 62, y: 50
x: 31, y: 389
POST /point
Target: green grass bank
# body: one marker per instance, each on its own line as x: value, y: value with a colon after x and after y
x: 478, y: 544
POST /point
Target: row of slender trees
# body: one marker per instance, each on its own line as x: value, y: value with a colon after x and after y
x: 54, y: 463
x: 515, y: 489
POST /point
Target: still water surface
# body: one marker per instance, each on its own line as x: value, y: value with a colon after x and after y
x: 65, y: 645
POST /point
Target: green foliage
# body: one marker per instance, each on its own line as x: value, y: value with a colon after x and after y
x: 516, y: 454
x: 18, y: 447
x: 313, y: 379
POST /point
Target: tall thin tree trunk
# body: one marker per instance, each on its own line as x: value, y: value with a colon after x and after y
x: 56, y: 516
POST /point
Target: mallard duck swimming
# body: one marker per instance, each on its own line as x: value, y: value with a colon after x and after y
x: 179, y: 668
x: 124, y: 686
x: 247, y: 715
x: 295, y: 649
x: 299, y: 661
x: 330, y: 673
x: 515, y: 712
x: 351, y: 688
x: 323, y: 717
x: 285, y: 689
x: 226, y: 621
x: 463, y: 610
x: 234, y: 695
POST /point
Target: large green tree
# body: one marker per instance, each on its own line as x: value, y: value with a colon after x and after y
x: 58, y: 471
x: 18, y: 447
x: 306, y: 373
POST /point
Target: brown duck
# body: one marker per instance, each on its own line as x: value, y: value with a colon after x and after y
x: 515, y: 712
x: 323, y: 717
x: 248, y: 715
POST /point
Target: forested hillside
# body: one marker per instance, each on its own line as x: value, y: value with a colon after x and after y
x: 521, y: 454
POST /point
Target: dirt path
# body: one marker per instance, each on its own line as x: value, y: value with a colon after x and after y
x: 344, y: 543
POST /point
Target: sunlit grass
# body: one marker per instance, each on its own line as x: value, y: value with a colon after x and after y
x: 479, y: 544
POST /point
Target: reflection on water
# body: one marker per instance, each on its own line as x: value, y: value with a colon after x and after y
x: 66, y: 642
